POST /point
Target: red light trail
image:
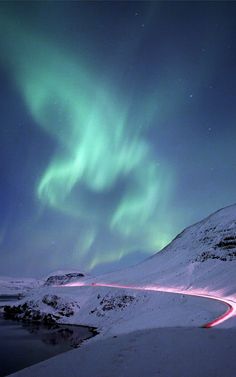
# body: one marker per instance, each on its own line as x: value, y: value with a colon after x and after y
x: 231, y: 304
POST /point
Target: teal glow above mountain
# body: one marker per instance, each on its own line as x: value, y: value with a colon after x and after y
x: 110, y: 144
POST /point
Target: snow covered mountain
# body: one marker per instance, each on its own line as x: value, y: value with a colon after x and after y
x: 203, y: 256
x: 201, y: 261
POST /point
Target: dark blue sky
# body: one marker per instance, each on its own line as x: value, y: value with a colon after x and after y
x: 117, y: 128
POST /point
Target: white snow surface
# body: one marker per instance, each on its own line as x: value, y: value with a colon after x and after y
x: 179, y: 265
x: 115, y: 311
x: 182, y: 265
x: 201, y: 259
x: 167, y: 352
x: 15, y: 286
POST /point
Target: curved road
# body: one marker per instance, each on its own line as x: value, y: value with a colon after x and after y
x: 231, y: 305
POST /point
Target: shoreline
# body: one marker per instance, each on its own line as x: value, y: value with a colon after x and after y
x: 152, y: 352
x: 34, y: 342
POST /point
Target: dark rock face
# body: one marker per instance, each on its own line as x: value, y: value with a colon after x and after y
x: 63, y: 309
x: 116, y: 302
x: 224, y: 250
x: 31, y: 311
x: 112, y: 303
x: 63, y: 279
x: 227, y: 243
x: 28, y: 314
x: 211, y: 255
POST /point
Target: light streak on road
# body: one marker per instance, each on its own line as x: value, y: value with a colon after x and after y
x: 231, y: 305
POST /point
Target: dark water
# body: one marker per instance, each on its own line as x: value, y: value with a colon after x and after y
x: 24, y: 344
x: 7, y: 298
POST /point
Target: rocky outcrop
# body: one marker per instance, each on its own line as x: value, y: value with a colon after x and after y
x: 112, y: 303
x: 61, y: 279
x: 50, y: 309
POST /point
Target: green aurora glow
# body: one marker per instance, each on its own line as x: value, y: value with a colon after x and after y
x: 100, y: 147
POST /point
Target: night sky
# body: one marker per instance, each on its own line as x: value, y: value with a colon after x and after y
x: 117, y: 129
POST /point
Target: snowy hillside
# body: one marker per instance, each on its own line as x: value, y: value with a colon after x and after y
x: 17, y: 286
x: 20, y: 286
x: 200, y: 260
x: 202, y: 257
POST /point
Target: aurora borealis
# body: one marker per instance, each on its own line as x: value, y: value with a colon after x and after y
x: 118, y: 128
x: 95, y: 147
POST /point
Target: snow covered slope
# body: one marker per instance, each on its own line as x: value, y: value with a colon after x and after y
x: 201, y: 260
x: 17, y: 286
x: 202, y: 257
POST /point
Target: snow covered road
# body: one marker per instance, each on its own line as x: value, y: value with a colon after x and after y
x: 230, y: 304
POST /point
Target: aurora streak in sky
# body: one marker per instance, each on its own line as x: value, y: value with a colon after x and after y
x: 97, y: 146
x: 103, y: 178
